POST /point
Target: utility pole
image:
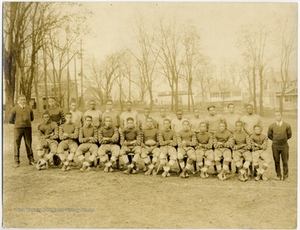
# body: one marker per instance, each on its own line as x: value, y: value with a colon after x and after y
x: 75, y: 80
x: 81, y: 73
x: 68, y: 73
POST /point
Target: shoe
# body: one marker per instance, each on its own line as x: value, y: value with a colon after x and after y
x: 148, y: 172
x: 277, y: 178
x: 154, y: 172
x: 111, y: 169
x: 206, y: 175
x: 145, y: 169
x: 106, y: 169
x: 202, y: 175
x: 258, y: 177
x: 133, y: 171
x: 31, y: 162
x: 220, y: 176
x: 224, y: 176
x: 286, y: 179
x: 127, y: 171
x: 164, y: 174
x: 68, y: 168
x: 17, y: 164
x: 63, y: 168
x: 241, y: 177
x: 83, y: 168
x: 88, y: 169
x: 168, y: 174
x: 264, y: 178
x: 182, y: 175
x: 186, y: 175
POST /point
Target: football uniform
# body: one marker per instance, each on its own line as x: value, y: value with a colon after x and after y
x: 108, y: 137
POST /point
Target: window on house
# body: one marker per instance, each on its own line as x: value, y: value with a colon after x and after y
x: 225, y: 94
x: 236, y: 93
x: 288, y: 99
x: 215, y: 94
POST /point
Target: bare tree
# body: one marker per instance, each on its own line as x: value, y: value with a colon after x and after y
x: 103, y: 75
x: 170, y: 56
x: 145, y: 57
x: 14, y: 27
x: 287, y: 47
x: 253, y: 41
x: 204, y: 77
x: 192, y: 59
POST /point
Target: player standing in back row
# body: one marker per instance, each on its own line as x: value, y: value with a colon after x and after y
x: 250, y: 119
x: 213, y: 119
x: 231, y: 118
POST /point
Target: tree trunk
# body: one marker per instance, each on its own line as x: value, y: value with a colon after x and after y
x: 254, y: 89
x: 151, y: 96
x: 10, y: 77
x: 191, y: 92
x: 45, y: 76
x: 37, y: 97
x: 261, y: 91
x: 75, y: 79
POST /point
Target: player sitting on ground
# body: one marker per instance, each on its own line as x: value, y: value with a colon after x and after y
x: 204, y: 150
x: 259, y: 147
x: 186, y: 140
x: 222, y: 142
x: 47, y: 133
x: 167, y: 142
x: 87, y: 138
x: 68, y: 134
x: 241, y: 147
x: 108, y: 138
x: 149, y: 145
x: 130, y: 142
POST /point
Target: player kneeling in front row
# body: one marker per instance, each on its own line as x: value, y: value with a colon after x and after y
x: 167, y: 142
x: 149, y: 146
x: 241, y: 147
x: 68, y: 134
x: 130, y: 142
x: 204, y: 150
x: 222, y: 143
x: 108, y: 138
x: 259, y: 151
x: 186, y: 140
x: 87, y: 138
x: 47, y: 133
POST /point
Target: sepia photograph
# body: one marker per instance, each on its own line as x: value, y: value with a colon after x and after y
x: 160, y: 115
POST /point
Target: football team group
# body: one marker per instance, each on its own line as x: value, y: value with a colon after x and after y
x: 101, y: 139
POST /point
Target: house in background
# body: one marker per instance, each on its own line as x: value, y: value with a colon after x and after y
x: 220, y: 93
x: 53, y: 91
x: 165, y: 98
x: 273, y: 88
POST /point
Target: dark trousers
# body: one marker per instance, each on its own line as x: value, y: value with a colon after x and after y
x: 27, y: 134
x: 284, y: 152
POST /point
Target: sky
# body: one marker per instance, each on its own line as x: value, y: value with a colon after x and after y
x: 218, y: 23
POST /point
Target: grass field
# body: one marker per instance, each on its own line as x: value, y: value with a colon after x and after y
x: 54, y: 199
